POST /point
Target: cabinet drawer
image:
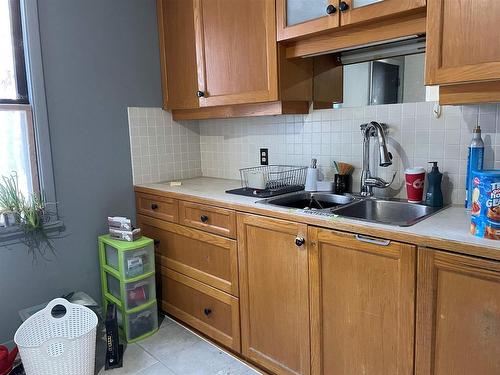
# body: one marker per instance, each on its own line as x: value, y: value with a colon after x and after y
x: 156, y: 206
x: 205, y: 257
x: 207, y: 309
x: 208, y: 218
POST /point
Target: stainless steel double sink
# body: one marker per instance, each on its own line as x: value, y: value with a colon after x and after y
x: 392, y: 212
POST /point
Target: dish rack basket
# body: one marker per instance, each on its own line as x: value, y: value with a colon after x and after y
x: 277, y: 177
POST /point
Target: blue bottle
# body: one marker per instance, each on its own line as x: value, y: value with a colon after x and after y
x: 434, y: 195
x: 474, y: 162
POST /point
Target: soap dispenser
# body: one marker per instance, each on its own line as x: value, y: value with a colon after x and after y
x: 434, y: 195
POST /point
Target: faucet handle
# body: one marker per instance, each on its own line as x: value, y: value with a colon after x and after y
x: 378, y: 182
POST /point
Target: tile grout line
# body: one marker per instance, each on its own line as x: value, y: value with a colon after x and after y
x: 211, y: 343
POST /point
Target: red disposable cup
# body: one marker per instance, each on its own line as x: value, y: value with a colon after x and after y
x: 415, y: 180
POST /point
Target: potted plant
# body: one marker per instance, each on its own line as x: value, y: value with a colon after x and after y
x: 11, y: 200
x: 30, y: 214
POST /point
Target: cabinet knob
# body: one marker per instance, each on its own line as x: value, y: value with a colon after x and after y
x: 204, y: 218
x: 299, y: 241
x: 343, y: 6
x: 200, y: 94
x: 207, y: 311
x: 156, y: 242
x: 331, y: 9
x: 154, y: 206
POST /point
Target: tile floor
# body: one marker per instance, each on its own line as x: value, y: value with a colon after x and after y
x: 175, y: 350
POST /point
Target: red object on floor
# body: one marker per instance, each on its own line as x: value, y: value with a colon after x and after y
x: 7, y: 359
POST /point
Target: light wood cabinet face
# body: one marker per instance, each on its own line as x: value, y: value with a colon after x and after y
x: 362, y: 304
x: 208, y: 218
x: 236, y: 51
x: 274, y: 299
x: 458, y: 315
x: 156, y: 206
x: 177, y: 38
x: 205, y: 257
x: 462, y: 41
x: 366, y: 10
x: 314, y: 17
x: 297, y: 17
x: 207, y: 309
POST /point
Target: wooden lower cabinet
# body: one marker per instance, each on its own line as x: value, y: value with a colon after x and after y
x: 160, y: 207
x: 203, y: 307
x: 458, y: 315
x: 274, y: 295
x: 362, y: 304
x: 205, y: 257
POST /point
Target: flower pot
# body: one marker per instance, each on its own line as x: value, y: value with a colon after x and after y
x: 9, y: 219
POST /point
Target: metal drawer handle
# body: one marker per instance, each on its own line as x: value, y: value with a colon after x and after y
x: 207, y: 311
x: 204, y: 218
x: 299, y: 241
x: 154, y: 206
x: 372, y: 240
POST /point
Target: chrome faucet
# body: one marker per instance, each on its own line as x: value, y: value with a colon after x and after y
x: 368, y: 182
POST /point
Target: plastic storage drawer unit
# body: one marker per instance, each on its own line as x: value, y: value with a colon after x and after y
x: 131, y: 261
x: 134, y: 293
x: 128, y: 281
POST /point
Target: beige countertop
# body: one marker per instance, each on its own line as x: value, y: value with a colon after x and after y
x: 447, y: 229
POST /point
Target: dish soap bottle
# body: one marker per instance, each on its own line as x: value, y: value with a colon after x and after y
x: 474, y: 162
x: 434, y: 195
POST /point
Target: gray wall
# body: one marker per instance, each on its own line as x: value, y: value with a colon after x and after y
x: 99, y: 57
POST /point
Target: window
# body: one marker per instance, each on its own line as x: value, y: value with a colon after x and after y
x: 17, y: 145
x: 13, y: 81
x: 24, y: 128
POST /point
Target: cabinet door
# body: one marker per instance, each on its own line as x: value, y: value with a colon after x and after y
x: 236, y: 51
x: 353, y: 11
x: 458, y: 315
x: 177, y: 54
x: 462, y: 41
x: 297, y: 17
x: 362, y: 304
x: 274, y: 299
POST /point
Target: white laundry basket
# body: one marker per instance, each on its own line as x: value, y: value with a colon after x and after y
x: 58, y: 340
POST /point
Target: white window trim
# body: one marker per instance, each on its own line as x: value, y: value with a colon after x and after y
x: 36, y: 89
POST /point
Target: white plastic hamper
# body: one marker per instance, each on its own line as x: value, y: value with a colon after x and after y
x: 58, y: 340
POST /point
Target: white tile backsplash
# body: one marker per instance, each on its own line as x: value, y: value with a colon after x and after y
x: 415, y: 138
x: 163, y: 149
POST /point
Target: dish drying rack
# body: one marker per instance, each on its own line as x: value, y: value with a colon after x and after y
x: 278, y: 179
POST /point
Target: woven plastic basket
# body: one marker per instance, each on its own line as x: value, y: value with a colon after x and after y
x: 58, y: 340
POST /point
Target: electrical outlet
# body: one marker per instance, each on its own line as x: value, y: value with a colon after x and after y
x: 264, y: 156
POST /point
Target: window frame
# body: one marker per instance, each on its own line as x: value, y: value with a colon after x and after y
x: 38, y: 103
x: 19, y: 56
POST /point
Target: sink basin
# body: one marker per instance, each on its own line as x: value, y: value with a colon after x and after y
x: 387, y: 212
x: 315, y: 201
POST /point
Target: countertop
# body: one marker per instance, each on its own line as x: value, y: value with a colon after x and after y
x: 446, y: 230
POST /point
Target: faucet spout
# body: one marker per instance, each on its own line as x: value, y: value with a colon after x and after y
x: 368, y: 182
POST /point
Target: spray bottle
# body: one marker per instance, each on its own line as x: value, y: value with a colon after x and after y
x: 474, y: 162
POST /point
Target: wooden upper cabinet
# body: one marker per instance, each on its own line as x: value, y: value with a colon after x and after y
x: 462, y: 41
x: 236, y: 51
x: 274, y: 294
x: 298, y: 17
x: 458, y: 315
x: 362, y: 293
x: 177, y: 38
x: 354, y: 11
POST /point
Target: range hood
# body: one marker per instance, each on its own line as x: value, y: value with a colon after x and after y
x: 383, y: 51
